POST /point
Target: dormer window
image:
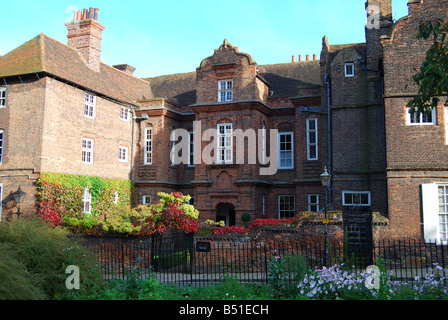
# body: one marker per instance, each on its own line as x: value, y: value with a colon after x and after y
x: 225, y: 90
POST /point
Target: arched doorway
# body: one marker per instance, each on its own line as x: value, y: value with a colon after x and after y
x: 226, y: 212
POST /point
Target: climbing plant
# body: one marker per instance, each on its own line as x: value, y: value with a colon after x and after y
x: 60, y: 201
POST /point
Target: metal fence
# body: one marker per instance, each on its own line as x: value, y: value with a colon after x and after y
x: 183, y: 260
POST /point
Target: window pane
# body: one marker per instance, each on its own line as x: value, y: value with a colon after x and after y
x: 313, y: 153
x: 311, y: 125
x: 364, y: 198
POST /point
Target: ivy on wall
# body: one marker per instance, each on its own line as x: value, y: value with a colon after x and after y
x: 60, y: 201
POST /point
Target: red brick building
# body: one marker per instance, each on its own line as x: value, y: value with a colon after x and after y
x: 345, y: 111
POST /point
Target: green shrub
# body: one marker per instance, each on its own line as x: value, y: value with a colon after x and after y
x: 15, y: 281
x: 44, y: 253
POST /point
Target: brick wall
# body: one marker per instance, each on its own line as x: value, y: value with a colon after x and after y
x: 416, y: 154
x: 21, y: 120
x: 65, y: 126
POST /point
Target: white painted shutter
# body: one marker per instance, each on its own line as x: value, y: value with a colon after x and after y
x: 430, y: 203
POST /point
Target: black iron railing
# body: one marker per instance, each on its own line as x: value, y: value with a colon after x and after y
x: 184, y: 260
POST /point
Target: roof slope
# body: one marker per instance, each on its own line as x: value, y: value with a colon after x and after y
x: 286, y: 80
x: 44, y: 54
x: 181, y: 87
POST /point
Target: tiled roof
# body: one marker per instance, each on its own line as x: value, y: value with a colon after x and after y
x: 286, y: 80
x: 44, y: 54
x: 360, y: 48
x: 179, y: 87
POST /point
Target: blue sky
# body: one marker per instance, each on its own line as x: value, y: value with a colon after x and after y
x: 173, y: 36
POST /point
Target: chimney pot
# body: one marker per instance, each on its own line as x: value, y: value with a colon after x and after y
x: 91, y: 13
x: 314, y: 57
x: 307, y: 57
x: 300, y: 58
x: 84, y: 14
x: 293, y: 59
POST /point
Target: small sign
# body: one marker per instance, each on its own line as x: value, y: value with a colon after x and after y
x: 326, y: 221
x: 203, y: 247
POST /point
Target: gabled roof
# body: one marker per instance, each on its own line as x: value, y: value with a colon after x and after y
x: 360, y: 48
x: 44, y: 54
x: 285, y: 79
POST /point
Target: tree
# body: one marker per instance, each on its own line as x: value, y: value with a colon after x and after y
x: 432, y: 79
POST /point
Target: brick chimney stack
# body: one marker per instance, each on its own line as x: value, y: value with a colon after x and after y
x: 84, y: 34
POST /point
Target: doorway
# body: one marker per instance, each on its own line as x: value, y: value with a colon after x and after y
x: 226, y: 212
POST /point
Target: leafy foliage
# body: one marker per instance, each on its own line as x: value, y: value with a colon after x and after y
x: 173, y: 211
x: 60, y: 202
x: 33, y: 258
x: 432, y: 79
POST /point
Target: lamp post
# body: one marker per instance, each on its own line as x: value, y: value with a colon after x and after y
x: 19, y: 195
x: 325, y: 179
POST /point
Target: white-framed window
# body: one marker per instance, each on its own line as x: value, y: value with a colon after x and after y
x: 263, y: 144
x: 173, y: 144
x: 225, y: 90
x: 417, y: 119
x: 286, y: 206
x: 313, y: 202
x: 89, y: 105
x: 286, y: 150
x: 87, y: 201
x: 443, y: 212
x: 146, y: 199
x: 2, y: 143
x: 2, y: 97
x: 349, y: 69
x: 312, y: 139
x: 125, y: 114
x: 122, y: 154
x: 191, y: 149
x: 446, y: 124
x: 435, y: 212
x: 356, y: 198
x: 148, y: 146
x: 225, y: 143
x: 87, y: 151
x: 1, y: 200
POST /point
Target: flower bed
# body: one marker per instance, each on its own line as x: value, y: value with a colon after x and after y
x: 341, y: 283
x: 258, y: 223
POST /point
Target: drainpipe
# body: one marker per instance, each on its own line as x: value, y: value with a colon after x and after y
x: 383, y: 107
x: 330, y: 144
